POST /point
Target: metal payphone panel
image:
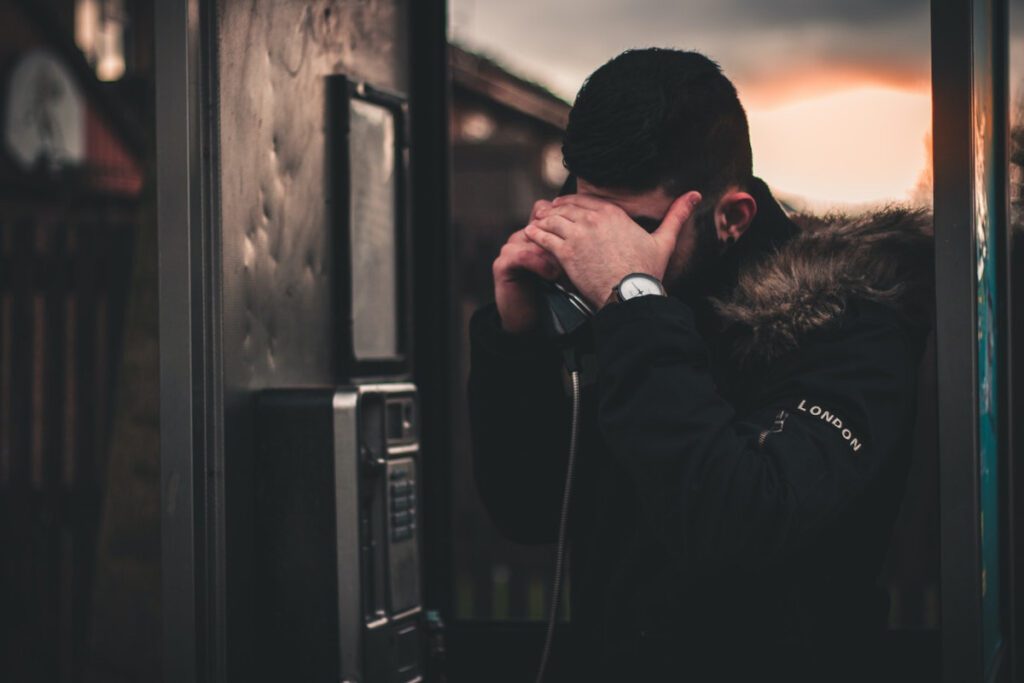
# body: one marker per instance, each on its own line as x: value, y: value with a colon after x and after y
x: 338, y: 533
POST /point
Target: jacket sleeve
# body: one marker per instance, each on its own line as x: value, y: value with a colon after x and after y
x: 721, y: 488
x: 519, y: 428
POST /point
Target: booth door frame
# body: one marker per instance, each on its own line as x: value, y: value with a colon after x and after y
x: 191, y: 406
x: 970, y: 83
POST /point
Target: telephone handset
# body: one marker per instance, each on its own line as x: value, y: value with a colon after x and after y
x: 567, y: 312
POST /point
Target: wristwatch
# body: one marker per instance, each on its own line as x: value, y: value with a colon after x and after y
x: 636, y: 285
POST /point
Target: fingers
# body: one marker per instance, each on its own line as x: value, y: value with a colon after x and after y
x: 539, y: 206
x: 548, y: 240
x: 583, y: 201
x: 572, y: 212
x: 518, y: 237
x: 559, y: 225
x: 678, y: 213
x: 516, y: 257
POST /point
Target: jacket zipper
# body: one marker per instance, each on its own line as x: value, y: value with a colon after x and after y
x: 780, y: 422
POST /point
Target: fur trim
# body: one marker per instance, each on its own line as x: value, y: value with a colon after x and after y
x: 804, y: 286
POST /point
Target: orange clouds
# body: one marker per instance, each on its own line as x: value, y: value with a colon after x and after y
x: 857, y: 145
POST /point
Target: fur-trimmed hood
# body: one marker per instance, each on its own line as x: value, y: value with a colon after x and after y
x: 806, y: 283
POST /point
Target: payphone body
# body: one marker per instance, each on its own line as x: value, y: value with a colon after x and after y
x: 336, y: 514
x: 337, y: 551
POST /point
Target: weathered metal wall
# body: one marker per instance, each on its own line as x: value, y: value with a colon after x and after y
x: 273, y: 57
x: 276, y: 272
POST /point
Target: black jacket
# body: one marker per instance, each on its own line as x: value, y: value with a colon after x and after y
x: 742, y: 454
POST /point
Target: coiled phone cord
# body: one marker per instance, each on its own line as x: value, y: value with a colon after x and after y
x: 563, y: 523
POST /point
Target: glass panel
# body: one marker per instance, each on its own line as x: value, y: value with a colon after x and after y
x: 373, y: 216
x: 1016, y: 294
x: 988, y: 224
x: 493, y: 186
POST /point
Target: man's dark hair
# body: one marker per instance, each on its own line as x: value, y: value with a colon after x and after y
x: 659, y: 117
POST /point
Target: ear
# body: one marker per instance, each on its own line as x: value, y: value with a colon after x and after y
x: 734, y: 214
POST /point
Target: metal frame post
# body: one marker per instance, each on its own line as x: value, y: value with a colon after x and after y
x: 434, y: 301
x: 967, y: 35
x: 189, y: 386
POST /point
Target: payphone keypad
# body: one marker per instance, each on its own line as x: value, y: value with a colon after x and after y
x: 403, y: 504
x: 403, y: 553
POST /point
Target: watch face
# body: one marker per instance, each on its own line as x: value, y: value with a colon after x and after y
x: 640, y: 285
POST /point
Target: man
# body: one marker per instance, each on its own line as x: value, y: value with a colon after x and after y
x: 746, y: 430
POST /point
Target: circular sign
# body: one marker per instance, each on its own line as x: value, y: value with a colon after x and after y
x: 44, y: 122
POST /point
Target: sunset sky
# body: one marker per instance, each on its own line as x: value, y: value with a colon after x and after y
x: 837, y: 92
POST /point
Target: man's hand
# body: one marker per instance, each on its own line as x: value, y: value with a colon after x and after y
x: 515, y: 287
x: 598, y: 244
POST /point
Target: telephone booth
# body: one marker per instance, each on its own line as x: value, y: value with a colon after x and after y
x: 309, y: 331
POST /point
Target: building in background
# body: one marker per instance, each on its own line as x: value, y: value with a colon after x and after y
x: 79, y: 530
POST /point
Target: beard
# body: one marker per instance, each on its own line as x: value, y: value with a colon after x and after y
x: 695, y: 277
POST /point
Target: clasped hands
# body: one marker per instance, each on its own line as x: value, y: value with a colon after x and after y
x: 597, y: 244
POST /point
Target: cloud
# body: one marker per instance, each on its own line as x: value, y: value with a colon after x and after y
x: 770, y: 49
x: 864, y: 13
